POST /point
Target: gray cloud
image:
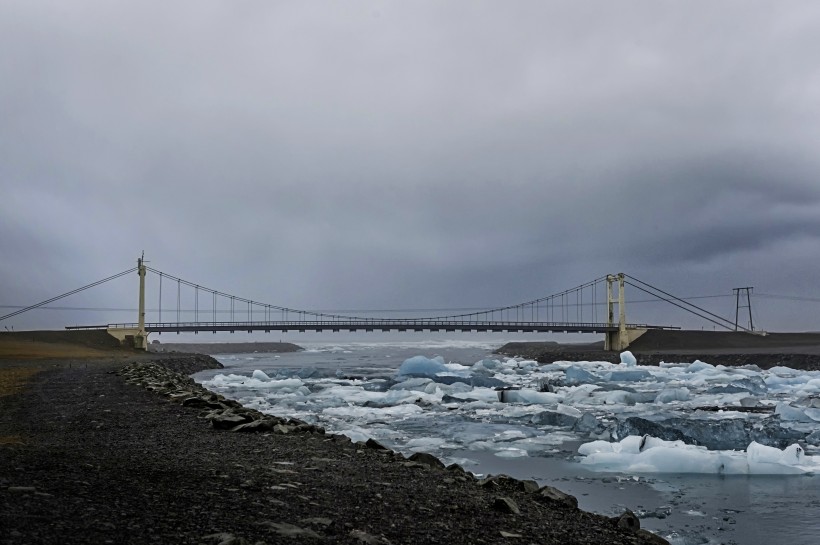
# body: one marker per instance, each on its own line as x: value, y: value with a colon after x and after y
x: 437, y: 154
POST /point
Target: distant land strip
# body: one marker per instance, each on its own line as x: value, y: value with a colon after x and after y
x: 224, y: 348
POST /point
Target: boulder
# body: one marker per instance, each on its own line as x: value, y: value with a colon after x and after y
x: 553, y: 494
x: 227, y: 421
x: 653, y: 539
x: 372, y: 443
x: 506, y: 505
x: 426, y: 459
x: 200, y: 403
x: 627, y: 521
x: 256, y: 426
x: 283, y: 429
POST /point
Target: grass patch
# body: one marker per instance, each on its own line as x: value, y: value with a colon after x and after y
x: 13, y: 379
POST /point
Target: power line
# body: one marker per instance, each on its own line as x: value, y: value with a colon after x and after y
x: 786, y: 297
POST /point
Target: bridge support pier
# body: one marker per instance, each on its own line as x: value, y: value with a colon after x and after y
x: 623, y: 337
x: 620, y: 340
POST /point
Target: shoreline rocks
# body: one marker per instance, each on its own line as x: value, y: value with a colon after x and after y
x: 221, y: 412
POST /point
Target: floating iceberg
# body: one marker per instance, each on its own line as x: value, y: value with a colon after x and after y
x: 628, y: 359
x: 421, y: 366
x: 647, y: 454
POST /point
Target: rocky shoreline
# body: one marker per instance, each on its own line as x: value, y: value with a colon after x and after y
x: 88, y: 456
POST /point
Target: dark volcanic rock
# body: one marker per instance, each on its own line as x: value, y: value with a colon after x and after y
x: 506, y: 505
x: 628, y: 521
x: 426, y: 459
x: 553, y: 494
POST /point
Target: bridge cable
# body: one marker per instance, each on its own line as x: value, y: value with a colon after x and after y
x: 72, y: 292
x: 681, y: 300
x: 357, y: 318
x: 671, y: 302
x: 672, y: 298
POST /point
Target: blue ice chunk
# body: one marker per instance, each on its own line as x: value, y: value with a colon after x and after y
x: 447, y: 379
x: 673, y: 394
x: 578, y: 375
x: 421, y: 366
x: 378, y: 385
x: 553, y: 418
x: 632, y: 375
x: 628, y: 359
x: 488, y: 363
x: 479, y: 381
x: 697, y: 366
x: 260, y: 375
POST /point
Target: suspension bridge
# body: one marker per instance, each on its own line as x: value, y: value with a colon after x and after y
x: 575, y: 310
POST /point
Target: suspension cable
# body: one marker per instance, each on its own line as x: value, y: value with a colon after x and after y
x: 700, y: 312
x: 72, y: 292
x: 325, y: 315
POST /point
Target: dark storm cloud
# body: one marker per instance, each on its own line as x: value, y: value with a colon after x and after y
x: 432, y: 154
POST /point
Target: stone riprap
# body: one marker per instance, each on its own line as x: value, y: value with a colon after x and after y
x: 222, y: 413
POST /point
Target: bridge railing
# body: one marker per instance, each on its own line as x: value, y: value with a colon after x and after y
x: 371, y: 324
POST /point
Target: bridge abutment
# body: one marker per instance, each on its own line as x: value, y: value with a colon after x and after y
x: 129, y: 337
x: 621, y: 339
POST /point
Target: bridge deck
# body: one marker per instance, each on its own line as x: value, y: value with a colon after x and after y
x: 376, y: 325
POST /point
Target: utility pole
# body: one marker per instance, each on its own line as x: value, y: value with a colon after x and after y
x: 748, y: 304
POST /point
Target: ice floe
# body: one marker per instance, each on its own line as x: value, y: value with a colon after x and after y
x: 694, y: 417
x: 647, y: 454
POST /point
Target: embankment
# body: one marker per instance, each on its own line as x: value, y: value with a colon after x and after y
x: 796, y: 350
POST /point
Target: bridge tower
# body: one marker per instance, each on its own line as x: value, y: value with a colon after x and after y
x: 135, y: 337
x: 141, y: 337
x: 622, y: 337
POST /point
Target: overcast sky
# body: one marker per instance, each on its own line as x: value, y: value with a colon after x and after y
x: 369, y: 155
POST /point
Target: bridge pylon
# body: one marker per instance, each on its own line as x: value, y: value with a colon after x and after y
x: 130, y: 336
x: 621, y: 338
x: 141, y: 338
